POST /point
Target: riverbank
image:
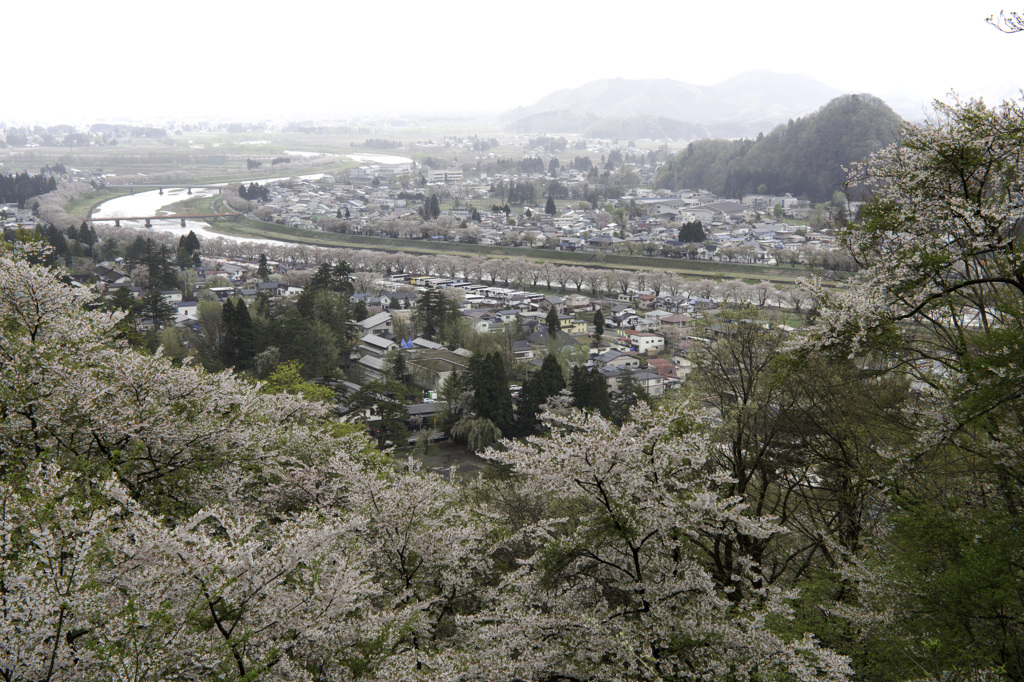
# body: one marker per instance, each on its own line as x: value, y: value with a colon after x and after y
x: 248, y: 228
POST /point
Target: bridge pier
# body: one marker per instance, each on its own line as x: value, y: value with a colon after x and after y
x: 183, y: 222
x: 117, y: 223
x: 149, y: 223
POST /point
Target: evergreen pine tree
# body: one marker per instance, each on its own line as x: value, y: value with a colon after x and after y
x: 243, y: 335
x: 229, y: 339
x: 163, y: 272
x: 578, y: 386
x: 434, y: 312
x: 123, y: 299
x: 87, y: 237
x: 629, y: 393
x: 192, y: 242
x: 153, y: 306
x: 336, y: 278
x: 554, y: 326
x: 435, y: 207
x: 550, y: 208
x: 550, y: 376
x: 541, y: 385
x: 396, y: 368
x: 692, y: 232
x: 598, y: 325
x: 590, y: 390
x: 491, y: 398
x: 360, y: 311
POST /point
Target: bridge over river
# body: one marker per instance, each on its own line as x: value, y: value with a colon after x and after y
x: 150, y: 218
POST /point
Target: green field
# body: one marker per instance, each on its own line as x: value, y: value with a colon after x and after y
x: 83, y: 206
x: 193, y: 206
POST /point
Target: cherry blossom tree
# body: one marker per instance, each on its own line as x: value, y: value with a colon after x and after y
x: 617, y: 583
x: 938, y: 301
x: 162, y: 522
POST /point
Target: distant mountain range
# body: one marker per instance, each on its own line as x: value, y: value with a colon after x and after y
x: 742, y: 106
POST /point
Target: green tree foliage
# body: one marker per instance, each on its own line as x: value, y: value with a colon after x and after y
x: 546, y: 382
x: 87, y: 237
x: 381, y: 407
x: 122, y: 299
x: 476, y: 432
x: 437, y: 315
x: 315, y: 331
x: 254, y: 192
x: 395, y: 367
x: 491, y: 398
x: 237, y: 347
x: 19, y: 188
x: 319, y: 330
x: 286, y: 377
x: 692, y: 231
x: 940, y: 289
x: 59, y: 243
x: 190, y: 243
x: 152, y: 306
x: 456, y: 395
x: 263, y: 271
x: 432, y: 208
x: 550, y: 207
x: 625, y: 398
x: 590, y: 391
x: 551, y: 320
x: 335, y: 278
x: 598, y: 325
x: 110, y: 249
x: 805, y: 157
x: 360, y: 311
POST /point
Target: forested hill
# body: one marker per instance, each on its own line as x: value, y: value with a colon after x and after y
x: 804, y: 157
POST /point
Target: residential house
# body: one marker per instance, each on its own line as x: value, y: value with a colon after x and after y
x: 432, y: 367
x: 577, y: 303
x: 186, y: 312
x: 371, y: 367
x: 108, y: 275
x: 572, y: 325
x: 376, y: 345
x: 616, y: 359
x: 650, y: 381
x: 646, y: 343
x: 375, y: 324
x: 663, y: 366
x: 403, y: 299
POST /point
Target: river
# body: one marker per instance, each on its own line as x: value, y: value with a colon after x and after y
x: 153, y: 202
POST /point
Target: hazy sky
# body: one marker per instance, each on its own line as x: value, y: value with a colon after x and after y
x: 130, y: 60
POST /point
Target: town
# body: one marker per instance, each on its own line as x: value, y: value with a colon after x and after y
x: 395, y: 372
x: 385, y: 201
